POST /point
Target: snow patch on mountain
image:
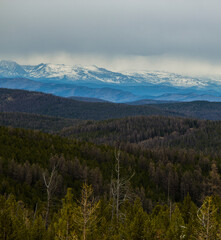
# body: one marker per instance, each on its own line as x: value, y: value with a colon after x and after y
x: 169, y: 79
x: 11, y: 69
x: 51, y: 71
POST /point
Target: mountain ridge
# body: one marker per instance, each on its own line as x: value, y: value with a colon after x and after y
x: 77, y: 72
x: 139, y: 85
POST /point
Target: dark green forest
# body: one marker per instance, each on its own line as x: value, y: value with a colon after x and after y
x: 134, y: 178
x: 37, y: 122
x: 50, y: 105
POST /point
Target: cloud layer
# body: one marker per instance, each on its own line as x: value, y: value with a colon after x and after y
x: 153, y: 30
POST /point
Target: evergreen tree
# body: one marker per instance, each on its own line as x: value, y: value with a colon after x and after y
x: 14, y: 220
x: 132, y: 227
x: 65, y: 226
x: 177, y: 228
x: 188, y: 211
x: 157, y: 224
x: 85, y: 213
x: 208, y: 227
x: 37, y: 229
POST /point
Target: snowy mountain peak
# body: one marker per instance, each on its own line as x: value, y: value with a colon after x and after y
x: 92, y: 74
x: 11, y: 69
x: 65, y: 80
x: 10, y: 65
x: 73, y: 73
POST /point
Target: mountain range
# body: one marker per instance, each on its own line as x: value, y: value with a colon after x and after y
x: 94, y: 82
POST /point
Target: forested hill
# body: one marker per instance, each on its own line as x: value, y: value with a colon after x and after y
x: 47, y: 104
x: 24, y: 160
x: 37, y: 122
x: 151, y: 132
x: 162, y: 175
x: 143, y: 131
x: 196, y: 109
x: 162, y: 182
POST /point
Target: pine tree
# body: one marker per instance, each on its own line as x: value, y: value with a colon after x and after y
x: 214, y: 181
x: 14, y: 220
x: 37, y: 229
x: 85, y: 213
x: 188, y: 211
x: 132, y: 227
x: 208, y: 227
x: 157, y: 224
x: 65, y: 227
x: 177, y: 229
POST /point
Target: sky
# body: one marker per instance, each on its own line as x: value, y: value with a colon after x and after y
x: 181, y: 36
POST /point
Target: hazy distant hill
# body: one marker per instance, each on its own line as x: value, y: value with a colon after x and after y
x: 68, y: 90
x: 147, y: 101
x: 87, y: 99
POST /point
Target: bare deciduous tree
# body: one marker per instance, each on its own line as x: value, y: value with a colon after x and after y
x: 119, y: 188
x: 50, y: 184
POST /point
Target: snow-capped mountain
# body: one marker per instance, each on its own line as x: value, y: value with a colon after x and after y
x: 93, y: 74
x: 169, y: 79
x: 144, y: 85
x: 63, y: 73
x: 11, y: 69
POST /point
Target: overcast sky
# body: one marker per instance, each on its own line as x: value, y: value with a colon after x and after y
x: 171, y: 35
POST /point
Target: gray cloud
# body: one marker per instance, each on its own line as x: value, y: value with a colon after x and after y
x: 183, y: 28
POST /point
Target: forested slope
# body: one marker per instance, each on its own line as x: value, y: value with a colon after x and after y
x: 157, y: 184
x: 152, y: 132
x: 37, y: 122
x: 24, y: 151
x: 46, y: 104
x: 196, y: 109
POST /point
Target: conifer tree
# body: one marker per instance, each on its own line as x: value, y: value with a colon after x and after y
x: 132, y: 227
x: 85, y: 213
x: 208, y: 227
x: 177, y: 229
x: 13, y: 219
x: 65, y: 227
x: 37, y: 229
x: 188, y: 211
x: 157, y: 223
